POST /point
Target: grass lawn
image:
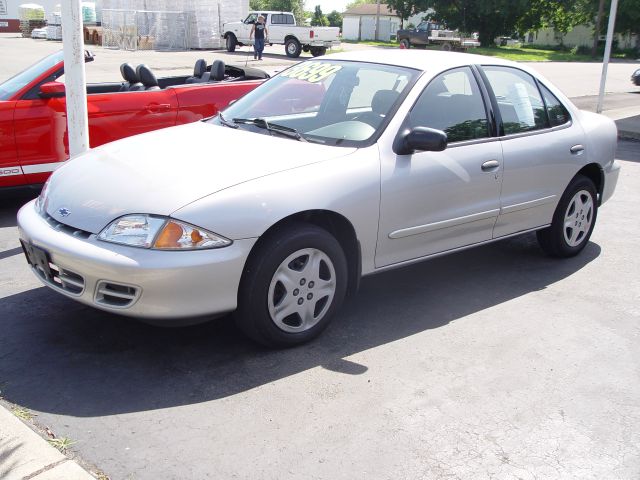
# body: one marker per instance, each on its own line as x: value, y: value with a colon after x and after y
x: 532, y: 54
x: 514, y: 53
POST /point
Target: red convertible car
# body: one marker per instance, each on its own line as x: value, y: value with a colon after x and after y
x: 33, y: 123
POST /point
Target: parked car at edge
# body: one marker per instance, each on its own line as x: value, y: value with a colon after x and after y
x: 33, y: 125
x: 333, y: 169
x: 282, y: 30
x: 635, y: 77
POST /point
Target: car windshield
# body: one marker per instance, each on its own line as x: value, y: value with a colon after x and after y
x: 11, y: 86
x: 330, y: 102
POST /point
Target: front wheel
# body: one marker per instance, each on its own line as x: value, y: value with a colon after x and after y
x: 292, y: 286
x: 573, y: 220
x: 293, y: 48
x: 231, y: 43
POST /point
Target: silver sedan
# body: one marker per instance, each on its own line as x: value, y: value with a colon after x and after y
x: 333, y: 169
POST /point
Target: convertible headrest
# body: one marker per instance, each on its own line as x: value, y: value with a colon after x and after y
x: 217, y: 71
x: 147, y: 77
x: 129, y: 73
x: 199, y: 68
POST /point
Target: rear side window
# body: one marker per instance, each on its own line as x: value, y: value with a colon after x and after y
x: 281, y: 19
x: 558, y: 114
x: 521, y: 106
x: 452, y: 103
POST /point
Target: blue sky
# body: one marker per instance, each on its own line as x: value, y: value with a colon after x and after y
x: 327, y: 5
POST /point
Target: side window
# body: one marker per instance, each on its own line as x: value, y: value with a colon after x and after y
x: 281, y: 19
x: 452, y: 102
x: 519, y: 100
x: 251, y: 18
x: 558, y: 114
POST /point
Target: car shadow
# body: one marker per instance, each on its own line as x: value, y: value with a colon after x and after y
x: 12, y: 200
x: 61, y: 357
x: 628, y: 150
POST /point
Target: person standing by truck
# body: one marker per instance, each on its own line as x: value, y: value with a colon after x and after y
x: 260, y: 30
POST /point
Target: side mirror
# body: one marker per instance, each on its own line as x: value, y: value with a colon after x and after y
x: 420, y: 139
x: 52, y: 90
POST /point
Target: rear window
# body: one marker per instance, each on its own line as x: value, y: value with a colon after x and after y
x: 281, y: 19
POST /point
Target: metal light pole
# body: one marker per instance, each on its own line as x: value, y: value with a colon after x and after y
x: 607, y: 52
x: 75, y: 81
x: 377, y: 20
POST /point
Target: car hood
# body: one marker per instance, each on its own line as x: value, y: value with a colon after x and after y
x: 162, y: 171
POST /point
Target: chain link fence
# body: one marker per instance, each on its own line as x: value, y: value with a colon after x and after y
x: 144, y: 30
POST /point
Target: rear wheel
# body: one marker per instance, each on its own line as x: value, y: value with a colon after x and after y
x: 231, y: 43
x: 573, y: 220
x: 318, y: 51
x: 291, y: 287
x: 404, y: 43
x: 447, y: 47
x: 293, y: 48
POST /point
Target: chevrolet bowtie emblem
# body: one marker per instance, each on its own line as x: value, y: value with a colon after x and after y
x: 64, y: 212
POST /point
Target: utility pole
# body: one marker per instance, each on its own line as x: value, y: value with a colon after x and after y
x: 74, y: 74
x: 378, y: 20
x: 607, y: 52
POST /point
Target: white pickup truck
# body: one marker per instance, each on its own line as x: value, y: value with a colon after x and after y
x: 283, y: 31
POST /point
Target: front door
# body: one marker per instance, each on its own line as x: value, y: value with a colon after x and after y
x: 41, y: 125
x: 437, y: 201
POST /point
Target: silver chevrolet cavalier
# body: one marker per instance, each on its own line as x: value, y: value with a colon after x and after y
x: 333, y: 169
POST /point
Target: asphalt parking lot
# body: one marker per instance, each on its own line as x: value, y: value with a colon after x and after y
x: 494, y: 363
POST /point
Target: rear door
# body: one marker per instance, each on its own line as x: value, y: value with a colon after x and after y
x: 542, y: 149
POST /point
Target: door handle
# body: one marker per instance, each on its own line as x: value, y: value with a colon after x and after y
x: 162, y: 107
x: 577, y: 149
x: 490, y: 165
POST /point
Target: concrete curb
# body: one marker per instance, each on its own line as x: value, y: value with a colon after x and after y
x: 25, y: 455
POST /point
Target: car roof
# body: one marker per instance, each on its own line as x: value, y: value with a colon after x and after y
x: 421, y: 59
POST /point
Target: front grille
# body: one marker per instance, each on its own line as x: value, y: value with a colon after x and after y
x: 62, y: 278
x: 116, y: 295
x: 61, y: 227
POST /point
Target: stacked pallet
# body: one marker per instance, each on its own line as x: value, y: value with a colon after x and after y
x: 54, y: 26
x: 31, y: 16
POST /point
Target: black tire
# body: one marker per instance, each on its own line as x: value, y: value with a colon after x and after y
x: 405, y: 43
x: 231, y: 42
x: 558, y: 240
x: 318, y: 51
x: 260, y: 291
x: 292, y: 48
x: 447, y: 47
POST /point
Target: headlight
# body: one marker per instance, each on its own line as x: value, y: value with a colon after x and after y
x: 160, y: 233
x: 41, y: 201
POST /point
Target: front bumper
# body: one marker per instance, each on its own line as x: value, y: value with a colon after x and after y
x: 134, y: 281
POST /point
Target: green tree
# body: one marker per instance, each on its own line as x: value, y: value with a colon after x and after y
x: 335, y: 19
x: 355, y: 3
x: 405, y: 8
x: 294, y: 6
x: 490, y: 18
x: 319, y: 20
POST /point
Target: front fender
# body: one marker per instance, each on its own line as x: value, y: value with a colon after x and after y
x: 348, y: 185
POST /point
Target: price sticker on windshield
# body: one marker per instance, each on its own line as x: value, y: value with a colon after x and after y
x: 311, y: 71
